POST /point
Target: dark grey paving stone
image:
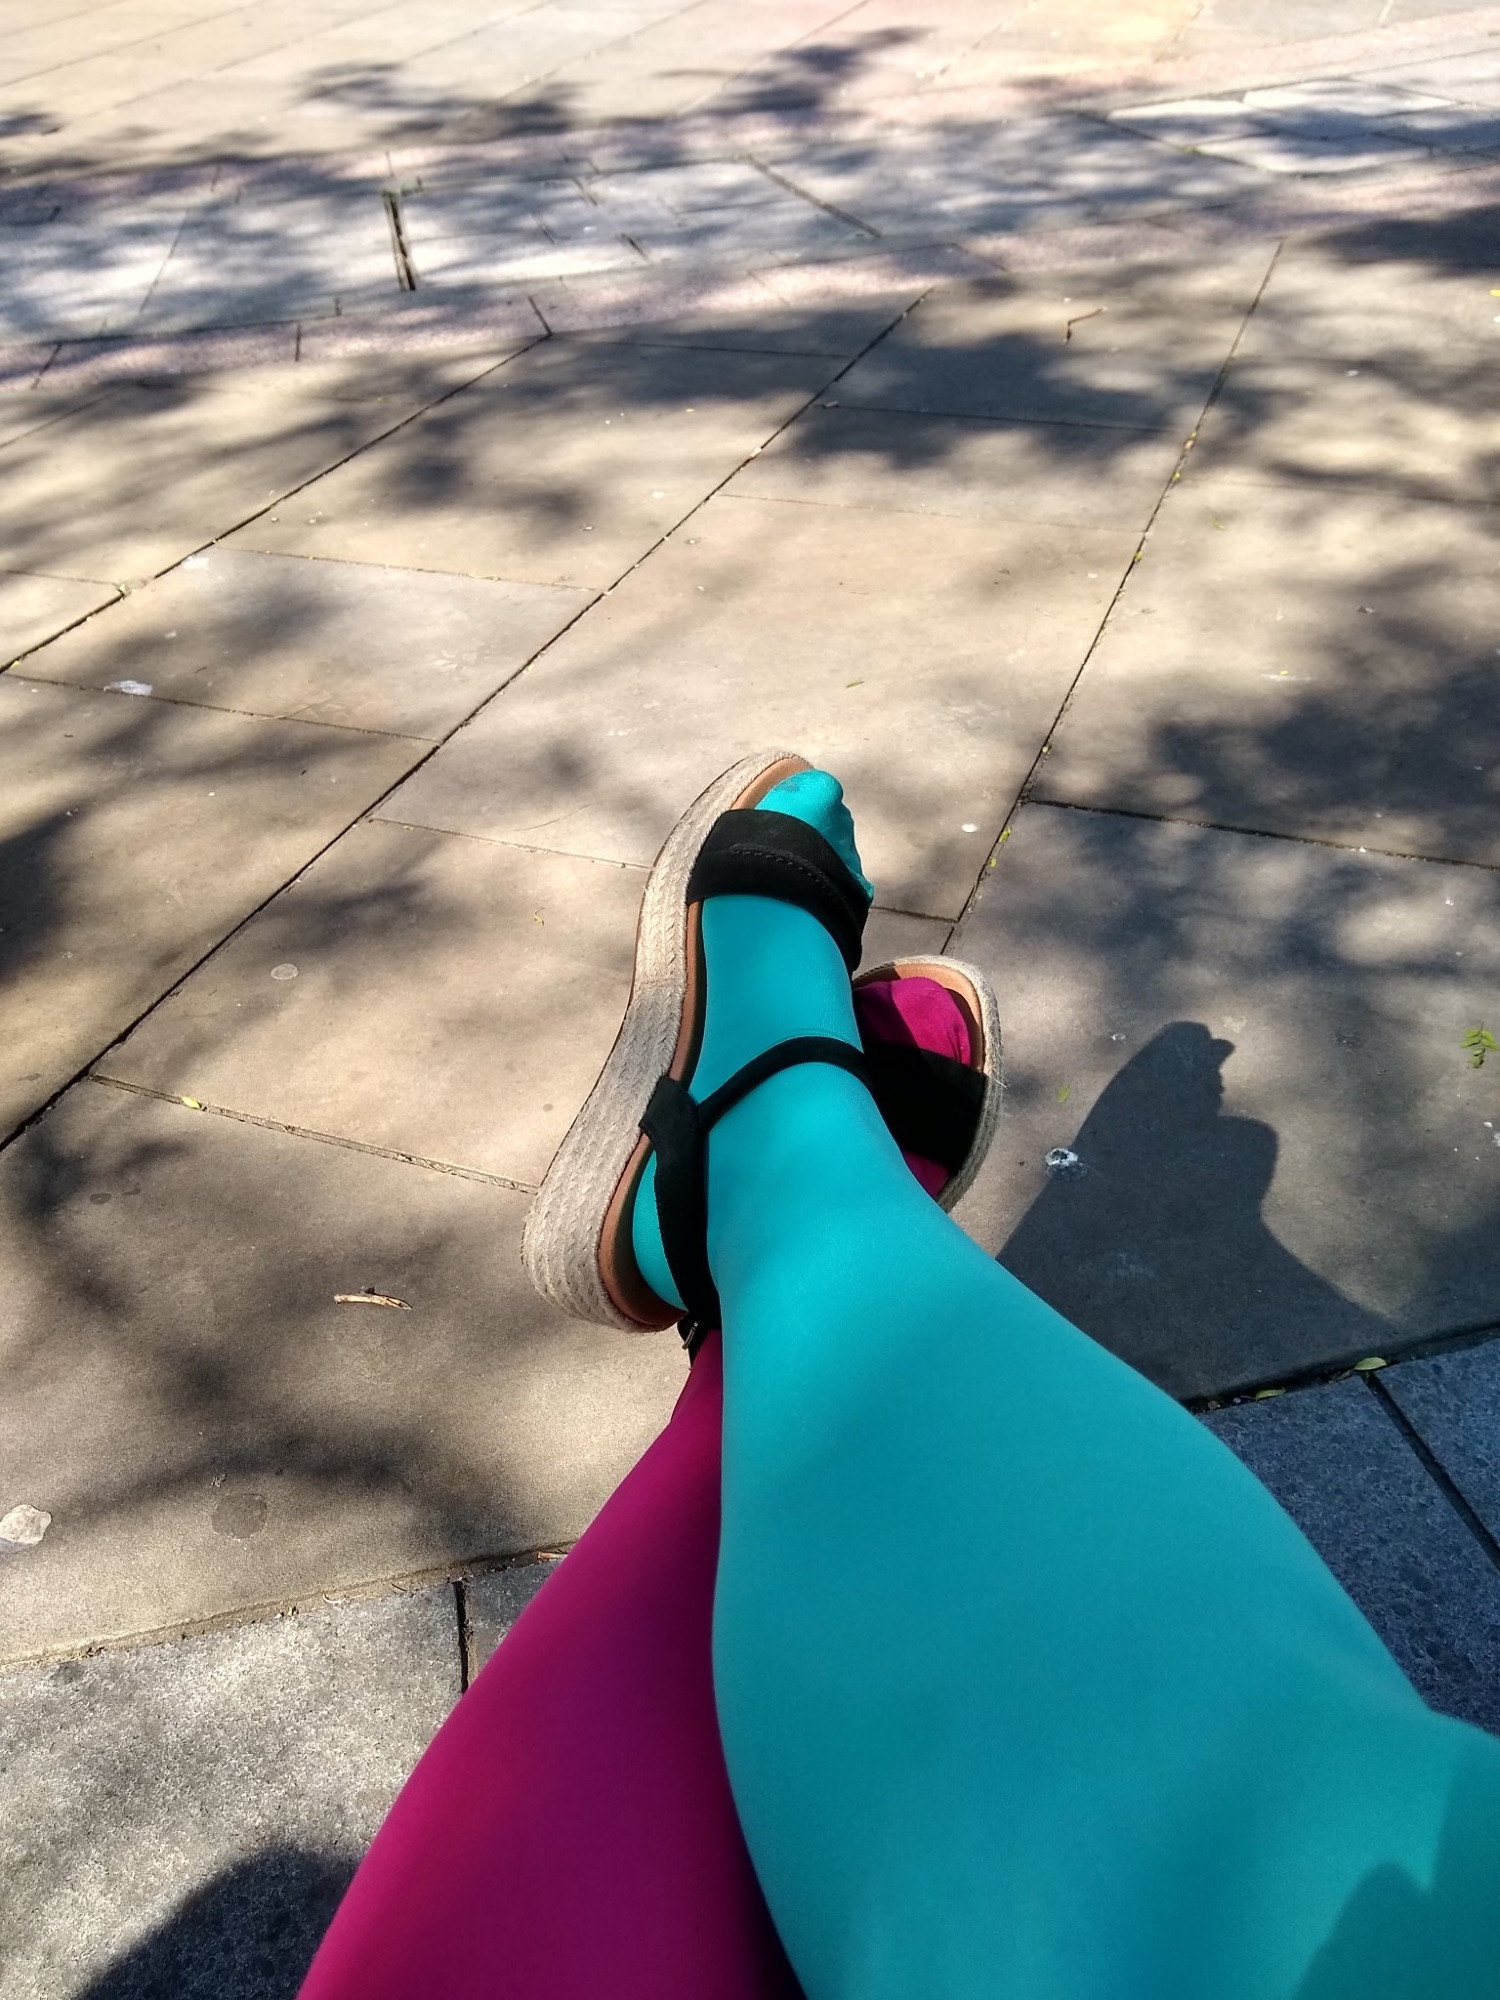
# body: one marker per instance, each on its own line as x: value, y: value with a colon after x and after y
x: 213, y: 1430
x: 1452, y: 1401
x: 1137, y: 348
x: 1246, y: 1057
x: 1338, y: 1464
x: 404, y: 651
x: 494, y: 1602
x: 183, y: 1819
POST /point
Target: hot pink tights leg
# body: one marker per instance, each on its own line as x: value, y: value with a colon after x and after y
x: 570, y: 1834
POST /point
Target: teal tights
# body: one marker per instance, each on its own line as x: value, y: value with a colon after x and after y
x: 1027, y: 1688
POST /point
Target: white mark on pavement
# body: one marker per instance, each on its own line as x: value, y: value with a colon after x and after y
x: 1062, y: 1161
x: 969, y: 827
x: 23, y: 1527
x: 283, y: 972
x: 128, y: 687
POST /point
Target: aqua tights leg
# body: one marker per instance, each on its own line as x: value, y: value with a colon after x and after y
x: 1027, y: 1688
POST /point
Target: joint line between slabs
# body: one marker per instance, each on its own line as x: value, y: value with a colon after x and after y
x: 1435, y: 1469
x: 280, y: 499
x: 1024, y: 791
x: 310, y: 1132
x: 366, y: 1590
x: 465, y: 1624
x: 1260, y: 833
x: 840, y: 370
x: 812, y: 200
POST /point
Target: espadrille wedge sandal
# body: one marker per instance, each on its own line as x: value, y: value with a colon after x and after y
x: 577, y: 1241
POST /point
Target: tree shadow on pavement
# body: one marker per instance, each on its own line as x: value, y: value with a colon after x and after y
x: 249, y: 1934
x: 211, y: 1374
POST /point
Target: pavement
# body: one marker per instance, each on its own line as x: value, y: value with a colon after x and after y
x: 434, y: 441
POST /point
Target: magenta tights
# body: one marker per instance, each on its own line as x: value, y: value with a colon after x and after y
x: 570, y: 1834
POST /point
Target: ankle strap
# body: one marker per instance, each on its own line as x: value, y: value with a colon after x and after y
x: 678, y: 1127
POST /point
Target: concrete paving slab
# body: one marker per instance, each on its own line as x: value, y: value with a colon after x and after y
x: 101, y: 364
x: 133, y: 835
x: 1338, y: 1464
x: 694, y: 185
x: 1452, y: 128
x: 35, y: 408
x: 1138, y: 350
x: 841, y: 328
x: 564, y: 468
x: 1378, y: 293
x: 22, y: 365
x: 259, y: 256
x: 823, y: 308
x: 146, y: 475
x: 494, y: 1602
x: 1189, y: 121
x: 1361, y: 150
x: 416, y: 327
x: 66, y: 279
x: 459, y: 265
x: 1404, y: 423
x: 1056, y: 166
x: 897, y: 934
x: 1472, y: 77
x: 184, y: 1819
x: 1300, y: 660
x: 763, y: 622
x: 790, y: 233
x: 1068, y: 473
x: 1452, y: 1401
x: 1341, y: 97
x: 34, y: 608
x: 1368, y: 360
x: 212, y: 1430
x: 490, y: 979
x: 1243, y: 1059
x: 403, y: 651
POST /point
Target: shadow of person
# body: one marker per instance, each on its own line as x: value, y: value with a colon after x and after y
x: 249, y: 1934
x: 1149, y: 1234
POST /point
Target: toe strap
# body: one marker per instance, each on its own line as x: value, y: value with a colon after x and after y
x: 756, y: 852
x: 678, y: 1127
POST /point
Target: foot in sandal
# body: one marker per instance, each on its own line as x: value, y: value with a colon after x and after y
x: 750, y: 926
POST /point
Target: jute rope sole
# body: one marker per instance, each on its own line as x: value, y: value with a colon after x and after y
x: 562, y: 1237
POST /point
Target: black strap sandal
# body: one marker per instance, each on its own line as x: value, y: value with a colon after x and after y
x: 678, y: 1126
x: 577, y: 1245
